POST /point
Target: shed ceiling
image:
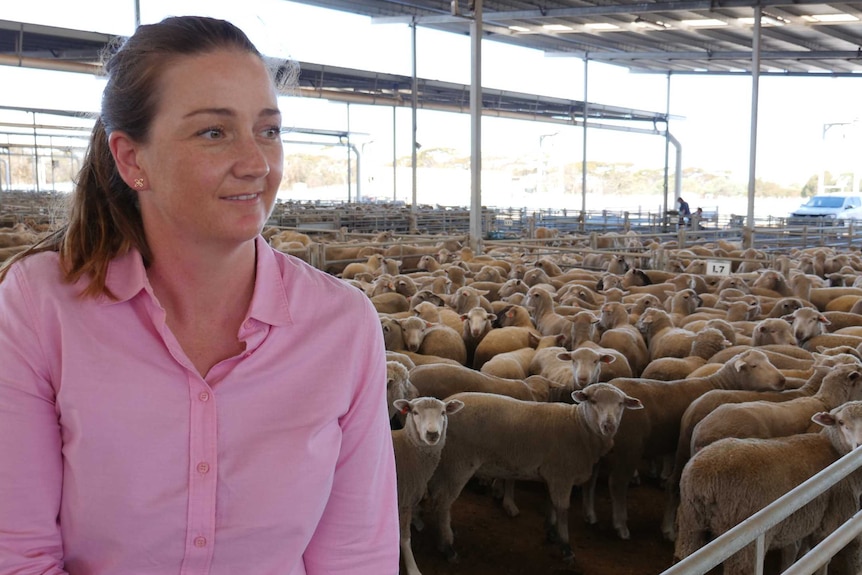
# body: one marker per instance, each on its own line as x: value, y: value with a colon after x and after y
x: 690, y: 36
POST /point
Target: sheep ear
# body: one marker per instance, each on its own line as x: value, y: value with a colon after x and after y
x: 824, y: 320
x: 402, y: 405
x: 454, y: 406
x: 564, y: 356
x: 632, y: 403
x: 607, y: 358
x: 492, y: 317
x: 824, y: 418
x: 579, y: 396
x: 738, y: 364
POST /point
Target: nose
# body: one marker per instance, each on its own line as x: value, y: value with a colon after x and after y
x: 432, y: 437
x: 251, y: 160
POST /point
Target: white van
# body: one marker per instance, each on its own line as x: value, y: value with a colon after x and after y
x: 828, y: 208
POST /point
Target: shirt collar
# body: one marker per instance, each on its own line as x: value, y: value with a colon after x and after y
x: 127, y: 276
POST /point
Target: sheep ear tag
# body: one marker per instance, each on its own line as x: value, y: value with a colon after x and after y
x: 404, y: 410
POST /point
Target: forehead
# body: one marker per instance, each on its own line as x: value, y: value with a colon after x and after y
x: 223, y: 78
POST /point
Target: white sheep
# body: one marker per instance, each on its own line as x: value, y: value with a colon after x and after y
x: 398, y: 386
x: 732, y: 479
x: 654, y: 432
x: 765, y: 419
x: 706, y: 343
x: 505, y: 438
x: 417, y: 452
x: 708, y: 402
x: 662, y: 338
x: 443, y: 380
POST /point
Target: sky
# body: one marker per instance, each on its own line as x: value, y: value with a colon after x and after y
x: 711, y: 115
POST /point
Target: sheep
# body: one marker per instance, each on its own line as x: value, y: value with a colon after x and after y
x: 662, y: 338
x: 442, y: 381
x: 764, y: 419
x: 732, y: 479
x: 516, y: 364
x: 583, y: 334
x: 505, y: 438
x: 503, y: 339
x: 372, y: 266
x: 547, y: 321
x: 619, y: 334
x: 654, y: 432
x: 477, y: 324
x: 708, y: 402
x: 706, y: 343
x: 433, y: 339
x: 807, y: 323
x: 417, y: 452
x: 772, y: 331
x: 398, y: 386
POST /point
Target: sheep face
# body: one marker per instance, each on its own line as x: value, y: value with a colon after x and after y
x: 773, y: 331
x: 807, y: 323
x: 759, y: 371
x: 428, y: 417
x: 586, y: 365
x: 477, y: 322
x: 847, y: 419
x: 602, y: 406
x: 413, y: 332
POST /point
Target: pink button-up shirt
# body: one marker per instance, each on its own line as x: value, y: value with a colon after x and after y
x: 117, y: 458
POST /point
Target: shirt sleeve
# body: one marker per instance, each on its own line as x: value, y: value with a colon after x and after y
x: 358, y: 533
x: 31, y: 469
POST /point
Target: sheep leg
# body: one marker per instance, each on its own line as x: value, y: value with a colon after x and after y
x: 560, y: 493
x: 668, y: 524
x: 444, y: 488
x: 692, y: 534
x: 618, y: 483
x: 404, y: 520
x: 509, y: 498
x: 588, y: 495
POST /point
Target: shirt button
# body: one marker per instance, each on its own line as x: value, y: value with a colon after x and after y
x: 204, y: 396
x: 200, y: 542
x: 203, y: 467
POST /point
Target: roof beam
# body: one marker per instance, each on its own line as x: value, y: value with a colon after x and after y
x: 607, y: 10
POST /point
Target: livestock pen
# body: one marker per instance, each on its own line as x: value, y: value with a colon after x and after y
x: 488, y: 541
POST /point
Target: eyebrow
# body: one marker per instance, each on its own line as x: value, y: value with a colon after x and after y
x: 265, y: 113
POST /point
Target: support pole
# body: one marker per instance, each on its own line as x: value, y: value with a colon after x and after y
x: 414, y: 103
x: 394, y: 159
x: 476, y: 129
x: 584, y: 151
x: 752, y: 153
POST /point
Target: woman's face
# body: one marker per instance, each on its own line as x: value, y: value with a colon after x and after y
x: 213, y: 160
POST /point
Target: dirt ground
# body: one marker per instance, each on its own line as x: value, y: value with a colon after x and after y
x: 491, y: 543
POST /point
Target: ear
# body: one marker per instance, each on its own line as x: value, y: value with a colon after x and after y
x: 125, y: 152
x: 454, y: 406
x: 402, y: 405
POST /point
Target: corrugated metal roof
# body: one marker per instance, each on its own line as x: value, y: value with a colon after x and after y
x: 701, y: 36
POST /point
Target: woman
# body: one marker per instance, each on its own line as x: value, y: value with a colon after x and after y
x: 177, y: 397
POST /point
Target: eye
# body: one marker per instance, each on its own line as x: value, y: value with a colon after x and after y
x: 212, y: 133
x: 272, y: 132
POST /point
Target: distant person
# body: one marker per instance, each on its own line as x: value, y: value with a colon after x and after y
x: 697, y: 218
x: 175, y: 395
x: 684, y: 211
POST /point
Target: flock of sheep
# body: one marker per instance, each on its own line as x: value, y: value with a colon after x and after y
x: 521, y: 364
x: 515, y: 365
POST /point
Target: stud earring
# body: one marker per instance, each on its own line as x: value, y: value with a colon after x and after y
x: 139, y: 183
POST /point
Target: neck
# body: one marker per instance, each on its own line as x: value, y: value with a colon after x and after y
x: 191, y: 284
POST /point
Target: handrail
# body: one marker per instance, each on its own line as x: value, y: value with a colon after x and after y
x: 754, y: 528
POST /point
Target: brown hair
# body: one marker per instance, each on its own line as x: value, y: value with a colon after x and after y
x: 104, y: 220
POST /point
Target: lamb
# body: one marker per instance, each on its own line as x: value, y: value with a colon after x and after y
x: 807, y: 323
x: 771, y: 331
x: 516, y: 364
x: 765, y: 419
x: 505, y: 438
x: 398, y: 386
x: 477, y: 324
x: 503, y: 339
x: 433, y: 339
x: 732, y: 479
x: 417, y: 453
x: 654, y: 432
x: 662, y: 338
x: 547, y: 321
x: 708, y: 402
x: 706, y: 343
x: 619, y: 334
x: 442, y: 381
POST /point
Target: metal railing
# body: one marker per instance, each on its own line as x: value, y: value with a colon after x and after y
x: 753, y: 529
